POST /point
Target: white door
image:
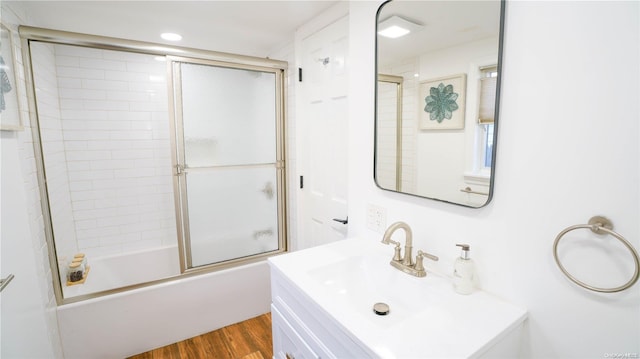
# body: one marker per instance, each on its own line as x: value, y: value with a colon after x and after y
x: 324, y: 120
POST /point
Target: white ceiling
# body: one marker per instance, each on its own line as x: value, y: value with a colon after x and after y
x: 446, y: 24
x: 255, y: 28
x: 258, y: 28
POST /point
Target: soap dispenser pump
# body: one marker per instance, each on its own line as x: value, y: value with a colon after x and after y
x: 464, y: 271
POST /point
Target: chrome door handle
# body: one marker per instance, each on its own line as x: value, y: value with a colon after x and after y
x: 343, y: 221
x: 5, y: 282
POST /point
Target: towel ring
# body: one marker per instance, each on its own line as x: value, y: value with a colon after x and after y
x: 598, y: 225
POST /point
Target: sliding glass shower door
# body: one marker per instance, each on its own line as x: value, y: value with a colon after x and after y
x: 150, y: 164
x: 228, y: 161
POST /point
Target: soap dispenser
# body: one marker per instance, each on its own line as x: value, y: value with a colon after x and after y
x: 464, y: 271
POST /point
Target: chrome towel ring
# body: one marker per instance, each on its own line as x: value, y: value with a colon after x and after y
x: 598, y: 225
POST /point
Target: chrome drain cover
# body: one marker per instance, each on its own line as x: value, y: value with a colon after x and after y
x: 381, y: 308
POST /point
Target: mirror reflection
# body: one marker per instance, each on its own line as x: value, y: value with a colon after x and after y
x: 436, y: 98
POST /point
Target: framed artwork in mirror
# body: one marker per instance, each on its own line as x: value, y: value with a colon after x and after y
x: 442, y: 103
x: 9, y: 110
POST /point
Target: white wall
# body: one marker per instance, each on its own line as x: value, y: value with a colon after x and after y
x: 568, y: 150
x: 25, y: 330
x: 29, y: 322
x: 443, y: 157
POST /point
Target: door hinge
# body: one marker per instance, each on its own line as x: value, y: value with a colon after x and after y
x: 179, y: 169
x: 299, y: 74
x: 301, y: 181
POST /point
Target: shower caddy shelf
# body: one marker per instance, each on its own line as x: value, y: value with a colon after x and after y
x: 599, y: 225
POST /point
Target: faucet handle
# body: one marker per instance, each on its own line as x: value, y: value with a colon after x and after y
x: 430, y: 256
x: 396, y: 253
x: 419, y: 266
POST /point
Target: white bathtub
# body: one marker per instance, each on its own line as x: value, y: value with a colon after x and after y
x: 116, y: 271
x: 131, y: 322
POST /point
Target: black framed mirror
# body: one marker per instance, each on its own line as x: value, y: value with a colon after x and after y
x: 438, y: 71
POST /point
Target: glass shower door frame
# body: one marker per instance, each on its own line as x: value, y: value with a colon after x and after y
x: 29, y: 35
x: 180, y: 170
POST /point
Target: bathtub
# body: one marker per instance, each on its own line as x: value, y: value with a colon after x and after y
x: 138, y: 320
x: 116, y: 271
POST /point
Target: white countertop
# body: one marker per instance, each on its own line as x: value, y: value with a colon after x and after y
x: 427, y: 317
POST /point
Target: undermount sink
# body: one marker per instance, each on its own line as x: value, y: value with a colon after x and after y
x: 426, y: 316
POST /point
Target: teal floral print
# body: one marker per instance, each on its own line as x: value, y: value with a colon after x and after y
x: 441, y: 103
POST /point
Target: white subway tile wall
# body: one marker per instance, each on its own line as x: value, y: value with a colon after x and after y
x: 410, y: 108
x: 115, y: 137
x: 386, y: 134
x: 54, y: 153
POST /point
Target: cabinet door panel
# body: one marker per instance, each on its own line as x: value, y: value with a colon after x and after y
x: 287, y: 344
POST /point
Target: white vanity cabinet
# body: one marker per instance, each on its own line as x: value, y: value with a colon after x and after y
x: 301, y: 329
x: 287, y: 343
x: 323, y: 299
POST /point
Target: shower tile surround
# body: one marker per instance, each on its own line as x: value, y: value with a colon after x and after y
x: 53, y: 145
x: 113, y: 130
x: 387, y: 118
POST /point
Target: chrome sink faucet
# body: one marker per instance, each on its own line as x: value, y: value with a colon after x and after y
x: 406, y: 263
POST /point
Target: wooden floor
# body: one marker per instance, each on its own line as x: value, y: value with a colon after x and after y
x: 250, y: 339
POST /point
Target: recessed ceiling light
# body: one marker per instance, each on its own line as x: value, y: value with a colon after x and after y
x: 169, y: 36
x: 395, y: 26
